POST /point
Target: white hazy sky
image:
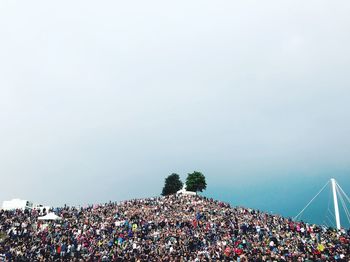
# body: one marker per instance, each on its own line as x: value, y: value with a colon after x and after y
x: 100, y: 100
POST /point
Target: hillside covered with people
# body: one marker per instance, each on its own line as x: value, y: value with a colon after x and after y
x: 168, y: 228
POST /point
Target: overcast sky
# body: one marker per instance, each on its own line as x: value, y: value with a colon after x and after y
x: 101, y: 100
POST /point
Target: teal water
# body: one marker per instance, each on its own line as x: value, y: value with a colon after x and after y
x: 286, y: 197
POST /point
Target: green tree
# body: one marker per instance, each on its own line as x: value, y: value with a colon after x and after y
x: 172, y: 184
x: 196, y: 182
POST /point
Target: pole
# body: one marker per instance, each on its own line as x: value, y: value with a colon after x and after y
x: 335, y: 201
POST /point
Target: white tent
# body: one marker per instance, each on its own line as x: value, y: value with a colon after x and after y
x: 17, y: 203
x: 50, y: 216
x: 183, y: 191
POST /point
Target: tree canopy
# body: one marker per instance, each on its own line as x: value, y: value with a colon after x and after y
x: 172, y: 184
x: 196, y: 182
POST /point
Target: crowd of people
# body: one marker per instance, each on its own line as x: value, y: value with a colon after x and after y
x: 172, y: 228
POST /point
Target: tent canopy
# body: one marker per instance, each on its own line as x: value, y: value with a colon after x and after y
x: 183, y: 191
x: 50, y: 216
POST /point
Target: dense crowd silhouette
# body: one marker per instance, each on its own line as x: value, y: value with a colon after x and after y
x: 171, y: 228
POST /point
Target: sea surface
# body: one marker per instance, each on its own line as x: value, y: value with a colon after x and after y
x: 287, y: 197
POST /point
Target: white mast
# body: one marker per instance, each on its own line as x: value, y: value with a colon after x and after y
x: 335, y: 201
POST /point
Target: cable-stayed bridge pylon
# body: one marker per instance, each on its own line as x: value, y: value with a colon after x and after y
x: 337, y: 193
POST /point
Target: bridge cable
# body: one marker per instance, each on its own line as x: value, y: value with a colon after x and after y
x: 343, y: 205
x: 311, y: 201
x: 346, y: 196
